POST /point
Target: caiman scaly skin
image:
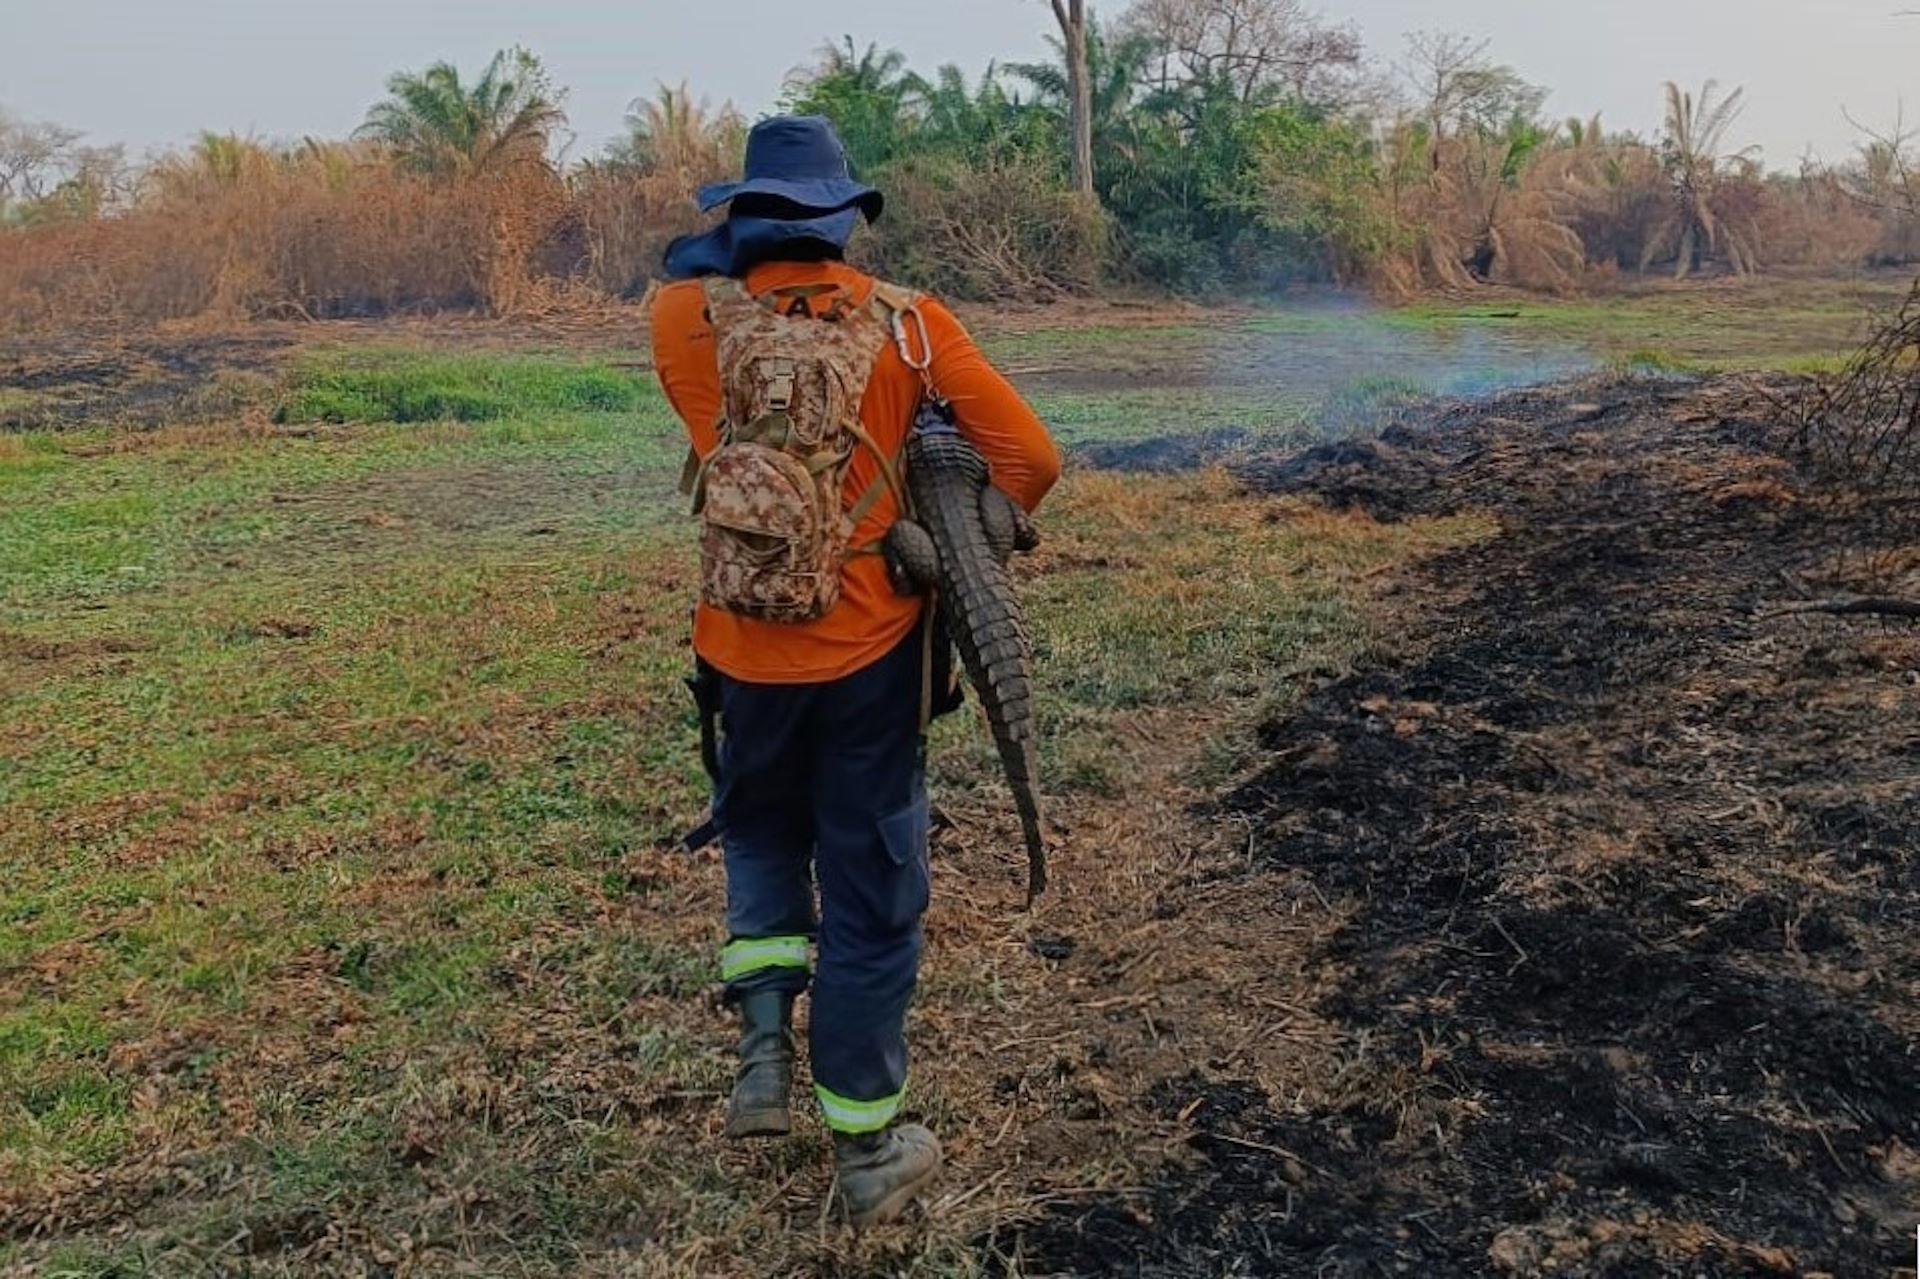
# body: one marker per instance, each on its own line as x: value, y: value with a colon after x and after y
x: 974, y: 533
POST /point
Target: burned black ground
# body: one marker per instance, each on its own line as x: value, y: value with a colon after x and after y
x: 76, y: 380
x: 1627, y: 979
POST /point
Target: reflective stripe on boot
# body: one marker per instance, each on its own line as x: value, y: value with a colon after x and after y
x: 760, y: 1105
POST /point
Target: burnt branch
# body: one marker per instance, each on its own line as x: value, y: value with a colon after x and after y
x: 1852, y: 606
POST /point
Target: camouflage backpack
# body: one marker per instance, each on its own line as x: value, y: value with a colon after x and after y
x: 774, y: 530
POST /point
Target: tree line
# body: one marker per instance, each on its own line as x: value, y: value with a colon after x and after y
x: 1195, y: 146
x: 1248, y: 144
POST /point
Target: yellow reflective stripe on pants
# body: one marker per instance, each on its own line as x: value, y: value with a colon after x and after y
x: 847, y: 1116
x: 756, y: 954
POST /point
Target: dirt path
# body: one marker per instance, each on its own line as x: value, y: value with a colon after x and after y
x: 1619, y: 966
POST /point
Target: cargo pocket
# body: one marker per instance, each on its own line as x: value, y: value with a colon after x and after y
x: 905, y: 835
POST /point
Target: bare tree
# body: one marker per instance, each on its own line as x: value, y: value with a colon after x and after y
x: 1433, y: 68
x: 1886, y: 181
x: 1459, y: 89
x: 97, y: 180
x: 1254, y: 46
x: 1072, y: 17
x: 33, y: 157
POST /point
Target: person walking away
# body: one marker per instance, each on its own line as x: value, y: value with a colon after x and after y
x: 797, y: 378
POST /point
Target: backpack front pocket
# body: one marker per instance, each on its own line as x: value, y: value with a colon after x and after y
x: 764, y: 548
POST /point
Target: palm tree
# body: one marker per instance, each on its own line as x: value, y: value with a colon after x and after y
x: 1690, y: 153
x: 876, y: 70
x: 1583, y: 134
x: 872, y: 99
x: 438, y: 125
x: 1490, y: 217
x: 216, y: 162
x: 961, y: 117
x: 672, y: 132
x: 1609, y: 189
x: 226, y: 158
x: 1115, y: 66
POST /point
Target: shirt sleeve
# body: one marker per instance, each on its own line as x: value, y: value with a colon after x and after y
x: 683, y: 361
x: 1023, y: 457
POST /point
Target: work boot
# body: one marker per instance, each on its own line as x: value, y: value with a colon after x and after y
x: 762, y: 1091
x: 880, y: 1173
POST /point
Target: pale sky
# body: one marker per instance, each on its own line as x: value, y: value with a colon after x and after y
x: 152, y: 73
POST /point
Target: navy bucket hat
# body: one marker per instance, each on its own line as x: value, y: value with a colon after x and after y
x: 797, y: 158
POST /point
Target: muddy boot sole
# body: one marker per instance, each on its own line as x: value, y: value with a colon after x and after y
x: 890, y: 1209
x: 765, y: 1121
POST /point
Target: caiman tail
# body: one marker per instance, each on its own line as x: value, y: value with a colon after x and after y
x: 974, y: 529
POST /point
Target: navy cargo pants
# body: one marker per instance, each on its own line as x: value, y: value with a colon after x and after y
x: 828, y: 780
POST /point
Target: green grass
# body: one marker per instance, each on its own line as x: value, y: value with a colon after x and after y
x: 1794, y: 325
x: 17, y: 405
x: 252, y: 686
x: 332, y: 765
x: 398, y: 386
x: 1092, y: 417
x: 1049, y: 344
x: 1359, y: 406
x: 1311, y: 361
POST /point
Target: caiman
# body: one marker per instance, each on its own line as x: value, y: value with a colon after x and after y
x: 958, y: 544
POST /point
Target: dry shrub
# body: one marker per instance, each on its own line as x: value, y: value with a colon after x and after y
x: 629, y: 218
x: 323, y: 232
x: 1813, y: 221
x: 1864, y: 426
x: 236, y: 230
x: 632, y: 205
x: 1860, y: 432
x: 1531, y: 242
x: 1472, y: 224
x: 999, y: 230
x: 1899, y: 240
x: 1612, y: 194
x: 1597, y: 204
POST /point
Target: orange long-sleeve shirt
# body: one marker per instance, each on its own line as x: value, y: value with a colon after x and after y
x: 870, y: 618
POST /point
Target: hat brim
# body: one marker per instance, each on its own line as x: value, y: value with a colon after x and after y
x: 717, y: 251
x: 817, y: 195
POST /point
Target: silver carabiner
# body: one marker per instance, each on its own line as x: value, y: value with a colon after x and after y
x: 900, y: 339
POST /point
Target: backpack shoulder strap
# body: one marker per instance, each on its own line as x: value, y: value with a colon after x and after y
x: 888, y: 298
x: 726, y: 297
x: 729, y: 302
x: 899, y: 308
